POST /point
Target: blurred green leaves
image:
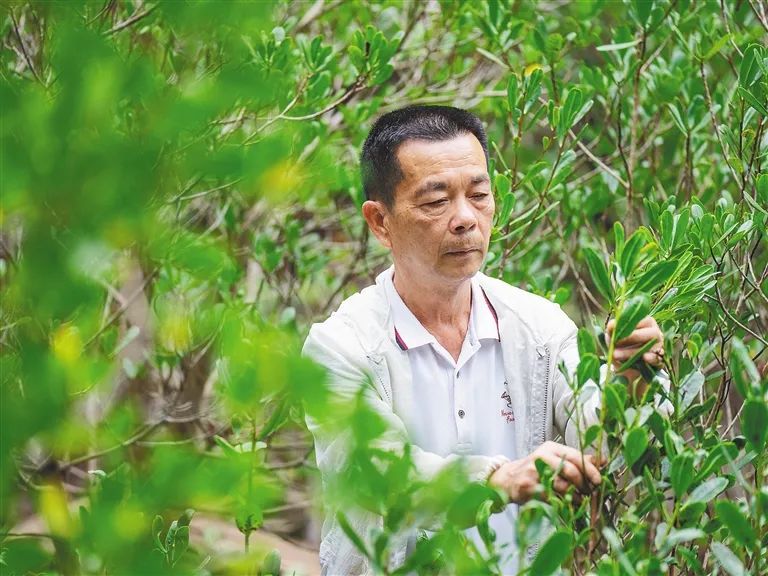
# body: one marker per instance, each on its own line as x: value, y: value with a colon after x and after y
x: 180, y: 201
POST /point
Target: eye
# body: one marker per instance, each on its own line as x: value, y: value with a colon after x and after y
x: 438, y: 202
x: 480, y: 195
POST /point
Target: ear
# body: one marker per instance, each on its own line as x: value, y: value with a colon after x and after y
x: 376, y: 214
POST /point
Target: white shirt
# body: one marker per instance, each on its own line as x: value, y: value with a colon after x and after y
x: 463, y: 405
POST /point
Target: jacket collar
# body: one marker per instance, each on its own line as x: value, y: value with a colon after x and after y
x: 408, y: 333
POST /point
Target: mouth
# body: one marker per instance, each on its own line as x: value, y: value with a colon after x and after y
x: 463, y: 252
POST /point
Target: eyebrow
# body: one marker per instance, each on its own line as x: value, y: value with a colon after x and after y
x: 432, y: 186
x: 440, y: 185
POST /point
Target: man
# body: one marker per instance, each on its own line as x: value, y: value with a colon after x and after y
x: 458, y: 364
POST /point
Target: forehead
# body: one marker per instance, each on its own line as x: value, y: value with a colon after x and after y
x: 420, y: 159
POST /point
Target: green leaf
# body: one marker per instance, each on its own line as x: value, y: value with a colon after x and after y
x: 643, y: 9
x: 572, y: 104
x: 754, y: 423
x: 680, y: 227
x: 180, y: 543
x: 741, y: 361
x: 630, y: 252
x: 591, y: 434
x: 717, y: 46
x: 635, y: 444
x: 753, y: 101
x: 228, y: 449
x: 689, y: 388
x: 553, y: 553
x: 585, y: 342
x: 599, y: 272
x: 681, y: 473
x: 749, y: 65
x: 636, y: 357
x: 186, y: 517
x: 618, y: 239
x: 656, y: 275
x: 170, y: 537
x: 708, y: 490
x: 588, y: 369
x: 271, y: 564
x: 678, y: 118
x: 619, y: 46
x: 513, y: 86
x: 492, y: 57
x: 613, y: 540
x: 635, y: 309
x: 351, y: 534
x: 762, y: 188
x: 728, y: 560
x: 736, y: 521
x: 678, y: 536
x: 483, y: 514
x: 157, y: 529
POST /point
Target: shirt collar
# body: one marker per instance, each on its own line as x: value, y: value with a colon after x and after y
x: 409, y: 332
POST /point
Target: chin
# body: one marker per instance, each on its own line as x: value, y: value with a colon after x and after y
x: 464, y: 269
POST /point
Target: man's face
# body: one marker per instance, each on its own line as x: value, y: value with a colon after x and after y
x: 440, y: 224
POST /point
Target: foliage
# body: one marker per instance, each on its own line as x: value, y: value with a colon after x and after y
x: 180, y: 200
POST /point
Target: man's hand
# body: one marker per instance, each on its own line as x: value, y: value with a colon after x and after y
x: 520, y: 479
x: 646, y: 330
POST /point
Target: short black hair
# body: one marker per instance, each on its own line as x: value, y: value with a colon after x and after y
x: 380, y: 169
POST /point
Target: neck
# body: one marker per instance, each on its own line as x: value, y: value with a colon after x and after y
x: 435, y: 304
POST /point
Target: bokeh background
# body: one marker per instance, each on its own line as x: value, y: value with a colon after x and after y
x: 179, y: 201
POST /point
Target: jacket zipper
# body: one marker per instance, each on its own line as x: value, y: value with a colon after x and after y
x: 546, y: 397
x: 377, y: 372
x: 533, y: 549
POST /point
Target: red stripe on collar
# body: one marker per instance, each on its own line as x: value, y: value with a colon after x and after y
x: 493, y: 311
x: 399, y: 340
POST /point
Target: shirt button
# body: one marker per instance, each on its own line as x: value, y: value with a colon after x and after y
x: 458, y: 374
x: 461, y: 413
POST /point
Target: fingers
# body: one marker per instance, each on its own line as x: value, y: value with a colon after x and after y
x: 561, y: 485
x: 572, y: 466
x: 566, y: 470
x: 646, y: 331
x: 648, y: 322
x: 640, y: 336
x: 584, y: 463
x: 654, y: 356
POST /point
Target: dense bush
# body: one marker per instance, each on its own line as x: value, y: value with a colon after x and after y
x: 180, y: 200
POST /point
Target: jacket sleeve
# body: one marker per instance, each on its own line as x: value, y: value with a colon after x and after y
x: 337, y: 349
x: 565, y: 406
x: 585, y: 407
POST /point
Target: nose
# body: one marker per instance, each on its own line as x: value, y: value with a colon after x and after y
x: 464, y: 217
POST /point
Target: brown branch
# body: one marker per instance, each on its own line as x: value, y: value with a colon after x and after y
x: 710, y: 105
x: 317, y: 10
x: 760, y: 17
x: 112, y: 319
x: 137, y: 16
x: 350, y: 273
x: 24, y: 53
x: 723, y: 307
x: 142, y: 433
x: 356, y: 86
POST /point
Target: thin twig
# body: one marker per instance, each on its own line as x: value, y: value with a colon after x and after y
x: 122, y: 308
x: 711, y: 108
x: 24, y: 53
x: 138, y: 15
x: 734, y: 320
x: 356, y: 86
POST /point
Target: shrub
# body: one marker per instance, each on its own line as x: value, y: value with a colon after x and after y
x: 180, y: 200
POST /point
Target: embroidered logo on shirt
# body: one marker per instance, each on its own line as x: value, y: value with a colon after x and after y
x: 507, y: 413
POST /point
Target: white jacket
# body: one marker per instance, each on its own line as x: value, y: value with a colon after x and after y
x: 357, y: 345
